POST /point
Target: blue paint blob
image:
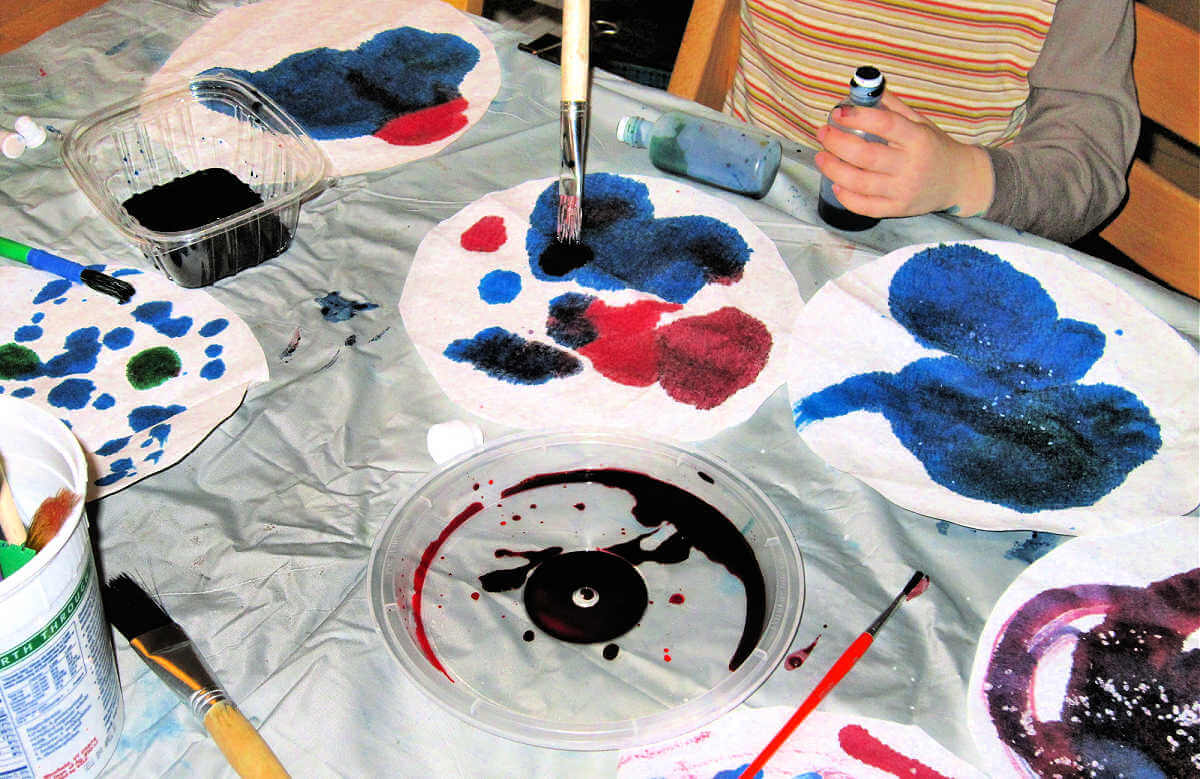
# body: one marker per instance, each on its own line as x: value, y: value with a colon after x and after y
x: 568, y: 323
x: 71, y: 393
x: 104, y: 402
x: 500, y: 286
x: 121, y: 271
x: 52, y: 290
x: 336, y: 308
x: 118, y: 338
x: 157, y: 314
x: 116, y: 49
x: 143, y: 417
x: 159, y: 433
x: 507, y: 356
x: 213, y: 369
x: 1003, y: 419
x: 1032, y: 548
x: 345, y: 94
x: 212, y: 328
x: 23, y: 392
x: 27, y: 333
x: 213, y: 350
x: 736, y: 772
x: 118, y: 469
x: 38, y: 317
x: 673, y: 257
x: 82, y: 347
x: 153, y: 457
x: 113, y: 446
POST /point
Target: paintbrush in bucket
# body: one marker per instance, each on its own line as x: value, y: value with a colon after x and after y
x: 170, y: 653
x: 916, y: 585
x: 573, y: 119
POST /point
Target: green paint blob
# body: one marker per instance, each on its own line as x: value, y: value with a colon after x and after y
x: 18, y: 362
x: 151, y: 367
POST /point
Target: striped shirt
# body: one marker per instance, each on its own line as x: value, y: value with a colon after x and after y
x: 963, y: 64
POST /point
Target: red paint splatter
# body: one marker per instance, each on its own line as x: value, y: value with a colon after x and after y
x: 666, y: 655
x: 419, y: 581
x: 625, y: 348
x: 516, y: 517
x: 677, y: 598
x: 705, y: 359
x: 486, y: 235
x: 919, y: 589
x: 859, y: 744
x: 474, y: 596
x: 580, y: 506
x: 797, y: 658
x: 425, y: 126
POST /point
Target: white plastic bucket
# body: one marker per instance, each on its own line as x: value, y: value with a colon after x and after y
x: 61, y: 710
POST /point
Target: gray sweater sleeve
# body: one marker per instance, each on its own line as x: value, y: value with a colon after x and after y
x: 1065, y: 171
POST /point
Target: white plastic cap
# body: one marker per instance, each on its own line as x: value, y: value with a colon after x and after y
x: 12, y: 145
x: 447, y: 440
x: 30, y: 131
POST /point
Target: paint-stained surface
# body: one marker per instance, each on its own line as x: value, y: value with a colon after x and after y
x: 126, y: 378
x: 1007, y: 389
x: 378, y: 84
x: 669, y: 315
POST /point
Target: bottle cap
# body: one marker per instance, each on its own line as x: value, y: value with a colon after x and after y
x: 30, y: 132
x: 866, y: 85
x: 629, y: 130
x: 447, y: 440
x: 12, y: 145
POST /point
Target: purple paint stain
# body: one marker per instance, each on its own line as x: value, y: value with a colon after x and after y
x: 1132, y: 691
x: 157, y: 314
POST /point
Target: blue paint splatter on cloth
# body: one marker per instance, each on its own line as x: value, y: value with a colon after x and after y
x: 1003, y: 417
x: 336, y: 308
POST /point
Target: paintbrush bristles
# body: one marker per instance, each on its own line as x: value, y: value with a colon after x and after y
x: 49, y: 518
x: 105, y: 284
x: 570, y: 219
x: 130, y: 609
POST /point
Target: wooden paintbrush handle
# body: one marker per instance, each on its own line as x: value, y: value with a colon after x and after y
x: 576, y: 35
x: 242, y: 745
x: 10, y: 521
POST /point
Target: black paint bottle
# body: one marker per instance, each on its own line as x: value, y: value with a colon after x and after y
x: 866, y: 89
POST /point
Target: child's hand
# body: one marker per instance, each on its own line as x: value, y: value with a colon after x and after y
x: 921, y: 169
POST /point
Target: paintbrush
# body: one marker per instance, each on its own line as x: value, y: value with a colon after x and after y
x: 49, y: 517
x: 916, y: 585
x: 573, y: 119
x: 10, y: 520
x: 170, y: 653
x: 72, y: 271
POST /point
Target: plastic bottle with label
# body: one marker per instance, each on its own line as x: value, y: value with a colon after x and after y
x: 866, y: 89
x: 724, y: 155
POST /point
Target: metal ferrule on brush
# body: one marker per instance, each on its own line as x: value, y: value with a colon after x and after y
x: 174, y: 658
x: 573, y: 122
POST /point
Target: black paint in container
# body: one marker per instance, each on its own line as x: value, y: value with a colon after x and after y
x: 200, y: 200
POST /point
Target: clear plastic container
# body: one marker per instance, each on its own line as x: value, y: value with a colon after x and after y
x: 448, y: 587
x: 209, y: 122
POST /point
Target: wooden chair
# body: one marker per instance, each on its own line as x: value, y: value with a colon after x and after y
x: 1158, y: 227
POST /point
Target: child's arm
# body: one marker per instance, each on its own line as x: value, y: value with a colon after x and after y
x: 1064, y: 173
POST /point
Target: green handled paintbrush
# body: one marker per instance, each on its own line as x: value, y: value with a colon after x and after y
x: 61, y: 266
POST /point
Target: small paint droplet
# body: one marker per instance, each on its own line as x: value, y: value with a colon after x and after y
x: 677, y: 598
x: 527, y: 635
x: 610, y: 651
x: 474, y: 596
x: 580, y: 506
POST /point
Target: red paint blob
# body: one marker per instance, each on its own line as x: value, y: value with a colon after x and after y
x: 703, y: 360
x: 677, y: 598
x: 919, y: 589
x: 624, y: 349
x: 425, y: 126
x: 859, y: 744
x: 486, y: 235
x: 419, y: 581
x: 797, y: 658
x: 474, y: 596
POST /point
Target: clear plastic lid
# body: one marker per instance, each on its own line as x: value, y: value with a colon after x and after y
x: 548, y: 564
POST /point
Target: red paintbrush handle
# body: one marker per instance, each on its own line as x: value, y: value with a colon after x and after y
x: 827, y: 683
